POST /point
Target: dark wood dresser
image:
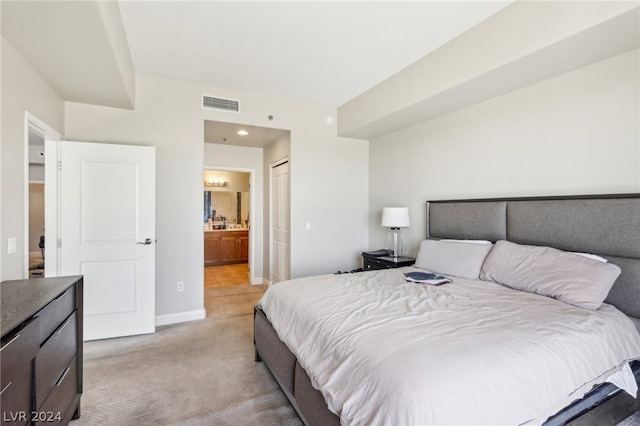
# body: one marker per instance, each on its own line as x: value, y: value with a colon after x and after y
x: 41, y: 355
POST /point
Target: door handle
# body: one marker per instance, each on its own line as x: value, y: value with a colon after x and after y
x: 146, y: 242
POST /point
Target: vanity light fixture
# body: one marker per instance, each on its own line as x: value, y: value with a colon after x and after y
x: 216, y: 183
x: 243, y: 132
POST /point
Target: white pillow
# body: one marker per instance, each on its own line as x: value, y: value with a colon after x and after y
x: 550, y: 272
x: 590, y: 256
x: 457, y: 258
x: 469, y: 241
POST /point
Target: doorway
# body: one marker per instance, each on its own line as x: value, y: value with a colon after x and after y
x: 39, y: 138
x: 241, y: 147
x: 35, y: 224
x: 36, y: 229
x: 226, y: 224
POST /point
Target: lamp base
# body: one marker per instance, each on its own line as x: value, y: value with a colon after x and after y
x: 395, y: 242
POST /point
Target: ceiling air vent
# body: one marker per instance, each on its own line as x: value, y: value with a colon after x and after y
x: 209, y: 102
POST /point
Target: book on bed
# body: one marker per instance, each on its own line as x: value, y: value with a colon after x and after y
x: 426, y: 278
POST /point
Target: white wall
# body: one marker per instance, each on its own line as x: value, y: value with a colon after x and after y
x: 328, y: 187
x: 329, y: 177
x: 23, y: 89
x: 236, y: 181
x: 36, y: 173
x: 524, y: 43
x: 577, y: 133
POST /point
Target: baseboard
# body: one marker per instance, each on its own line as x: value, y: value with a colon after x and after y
x: 258, y: 281
x: 181, y: 317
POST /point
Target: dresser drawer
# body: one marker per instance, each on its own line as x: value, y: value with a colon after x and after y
x: 15, y: 398
x: 52, y: 315
x: 19, y: 347
x: 56, y: 407
x: 54, y: 356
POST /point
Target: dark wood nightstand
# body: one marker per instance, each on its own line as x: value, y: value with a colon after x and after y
x: 385, y: 262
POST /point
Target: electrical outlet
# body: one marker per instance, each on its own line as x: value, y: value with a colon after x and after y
x: 180, y: 286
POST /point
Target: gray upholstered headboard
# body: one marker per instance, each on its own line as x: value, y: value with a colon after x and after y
x: 606, y: 225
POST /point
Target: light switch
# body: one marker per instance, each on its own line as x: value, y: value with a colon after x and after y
x: 11, y: 245
x: 308, y: 226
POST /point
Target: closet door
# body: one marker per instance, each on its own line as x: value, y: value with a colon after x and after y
x: 281, y: 229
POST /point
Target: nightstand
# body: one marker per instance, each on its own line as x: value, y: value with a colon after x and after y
x: 385, y: 262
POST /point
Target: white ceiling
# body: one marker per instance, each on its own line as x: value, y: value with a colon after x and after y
x: 227, y: 134
x: 318, y: 51
x: 324, y: 52
x: 79, y: 47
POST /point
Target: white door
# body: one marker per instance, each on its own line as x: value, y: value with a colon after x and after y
x: 107, y: 233
x: 280, y: 191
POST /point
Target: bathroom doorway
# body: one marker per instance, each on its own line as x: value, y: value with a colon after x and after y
x: 250, y: 149
x: 226, y: 224
x: 39, y: 139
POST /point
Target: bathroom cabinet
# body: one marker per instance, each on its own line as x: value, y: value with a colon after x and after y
x: 224, y: 247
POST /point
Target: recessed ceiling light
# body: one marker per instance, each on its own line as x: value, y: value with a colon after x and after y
x: 243, y: 132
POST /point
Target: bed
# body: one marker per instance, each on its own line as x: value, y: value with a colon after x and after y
x: 502, y: 343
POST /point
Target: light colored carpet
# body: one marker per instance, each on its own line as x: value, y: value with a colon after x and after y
x: 196, y: 373
x: 633, y: 420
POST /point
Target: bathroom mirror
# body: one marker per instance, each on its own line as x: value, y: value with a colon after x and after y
x: 226, y: 195
x: 234, y: 206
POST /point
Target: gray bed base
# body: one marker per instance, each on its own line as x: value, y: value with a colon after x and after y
x: 605, y: 225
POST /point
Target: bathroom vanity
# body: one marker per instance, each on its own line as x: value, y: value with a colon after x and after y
x: 226, y: 246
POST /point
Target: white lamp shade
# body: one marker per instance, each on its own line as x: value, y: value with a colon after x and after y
x: 395, y: 217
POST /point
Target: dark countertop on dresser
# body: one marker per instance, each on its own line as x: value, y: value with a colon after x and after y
x: 23, y: 298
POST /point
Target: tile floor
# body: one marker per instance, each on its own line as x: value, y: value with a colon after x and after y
x: 227, y: 291
x: 226, y: 275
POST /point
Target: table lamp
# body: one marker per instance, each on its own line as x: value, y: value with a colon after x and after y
x: 395, y: 218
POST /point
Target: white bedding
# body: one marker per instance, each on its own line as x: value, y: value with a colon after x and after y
x: 384, y: 351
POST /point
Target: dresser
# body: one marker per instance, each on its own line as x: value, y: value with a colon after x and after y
x: 41, y: 350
